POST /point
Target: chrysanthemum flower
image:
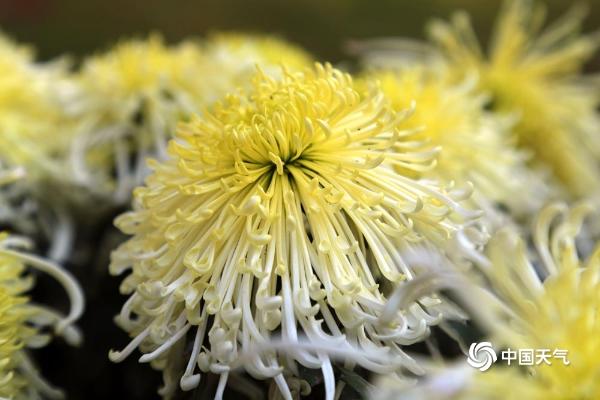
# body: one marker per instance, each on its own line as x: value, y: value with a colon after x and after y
x: 30, y: 112
x: 233, y: 58
x: 9, y: 211
x: 279, y: 215
x: 22, y: 323
x: 544, y: 303
x: 130, y: 98
x: 554, y: 305
x: 35, y: 138
x: 133, y: 96
x: 475, y: 144
x: 534, y: 74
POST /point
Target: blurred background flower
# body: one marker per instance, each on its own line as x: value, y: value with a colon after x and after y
x: 532, y: 69
x: 543, y: 300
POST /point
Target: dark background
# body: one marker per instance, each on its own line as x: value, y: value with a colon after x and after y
x: 79, y: 27
x: 321, y: 26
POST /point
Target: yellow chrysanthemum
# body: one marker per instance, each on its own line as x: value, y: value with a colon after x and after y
x: 534, y: 75
x: 274, y: 214
x: 20, y: 321
x: 545, y: 303
x: 32, y: 132
x: 475, y: 144
x: 35, y: 137
x: 131, y: 97
x: 134, y: 95
x: 14, y: 332
x: 555, y: 305
x: 233, y: 58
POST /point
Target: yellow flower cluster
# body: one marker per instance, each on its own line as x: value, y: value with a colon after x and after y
x: 285, y: 214
x: 22, y: 322
x: 29, y: 110
x: 532, y: 73
x: 476, y: 144
x: 531, y: 77
x: 30, y: 140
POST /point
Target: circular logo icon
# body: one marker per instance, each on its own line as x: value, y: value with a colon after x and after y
x: 481, y: 356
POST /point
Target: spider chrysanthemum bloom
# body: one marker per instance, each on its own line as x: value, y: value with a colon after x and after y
x: 546, y: 303
x: 30, y: 111
x: 13, y: 329
x: 279, y: 215
x: 35, y: 137
x: 534, y: 74
x: 555, y: 304
x: 233, y: 58
x: 133, y: 95
x: 22, y: 323
x: 476, y: 146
